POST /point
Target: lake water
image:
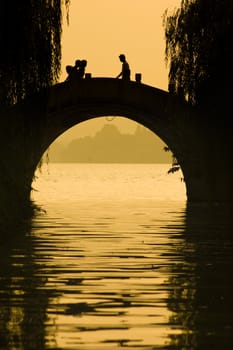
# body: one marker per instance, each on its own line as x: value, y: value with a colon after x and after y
x: 116, y: 259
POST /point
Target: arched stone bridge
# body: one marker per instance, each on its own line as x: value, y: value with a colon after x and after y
x: 30, y: 128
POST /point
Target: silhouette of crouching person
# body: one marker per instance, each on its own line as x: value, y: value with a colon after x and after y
x: 77, y: 71
x: 81, y: 69
x: 69, y: 71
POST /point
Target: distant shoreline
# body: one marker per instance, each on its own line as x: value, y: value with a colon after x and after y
x: 70, y: 162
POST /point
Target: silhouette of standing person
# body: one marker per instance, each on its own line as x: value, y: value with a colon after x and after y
x: 125, y: 71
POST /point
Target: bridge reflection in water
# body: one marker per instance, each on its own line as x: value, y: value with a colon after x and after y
x: 173, y: 290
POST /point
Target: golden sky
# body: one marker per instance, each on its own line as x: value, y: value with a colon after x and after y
x: 100, y: 30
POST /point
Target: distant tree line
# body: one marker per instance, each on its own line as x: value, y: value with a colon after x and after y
x: 110, y: 146
x: 199, y: 53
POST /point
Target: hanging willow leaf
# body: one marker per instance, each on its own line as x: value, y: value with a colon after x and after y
x: 166, y: 149
x: 173, y: 169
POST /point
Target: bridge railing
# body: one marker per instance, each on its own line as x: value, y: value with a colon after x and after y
x: 138, y: 77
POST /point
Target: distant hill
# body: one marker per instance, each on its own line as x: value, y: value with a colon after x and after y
x: 110, y: 146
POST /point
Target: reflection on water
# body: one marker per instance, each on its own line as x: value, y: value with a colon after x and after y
x: 133, y: 272
x: 204, y: 302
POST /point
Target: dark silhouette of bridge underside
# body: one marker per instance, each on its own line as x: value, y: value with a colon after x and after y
x: 31, y: 128
x: 70, y: 104
x: 164, y: 114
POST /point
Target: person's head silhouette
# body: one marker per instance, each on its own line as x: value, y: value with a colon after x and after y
x: 122, y: 58
x: 68, y: 69
x: 77, y: 63
x: 83, y: 63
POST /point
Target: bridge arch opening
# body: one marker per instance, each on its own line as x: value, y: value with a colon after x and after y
x: 110, y: 139
x: 113, y: 140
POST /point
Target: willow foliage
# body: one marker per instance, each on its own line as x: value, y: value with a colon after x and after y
x: 199, y: 49
x: 30, y: 39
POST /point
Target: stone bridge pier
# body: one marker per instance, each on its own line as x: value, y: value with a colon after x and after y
x: 202, y: 149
